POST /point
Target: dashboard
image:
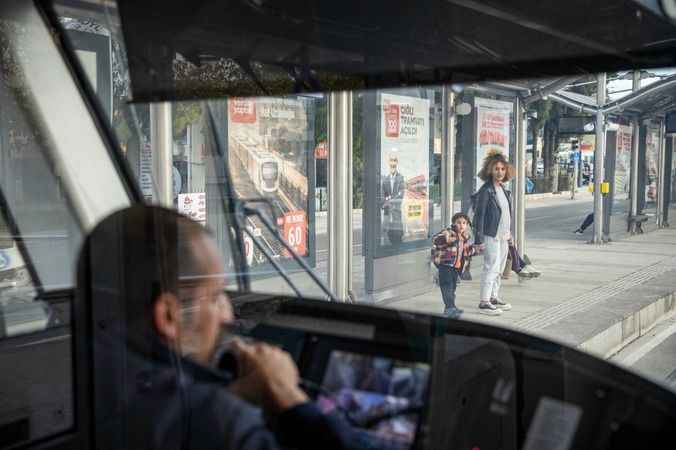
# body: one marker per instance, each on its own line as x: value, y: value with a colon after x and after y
x: 412, y: 381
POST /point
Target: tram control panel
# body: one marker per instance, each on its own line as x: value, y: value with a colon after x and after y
x: 400, y: 389
x: 380, y: 390
x: 408, y: 381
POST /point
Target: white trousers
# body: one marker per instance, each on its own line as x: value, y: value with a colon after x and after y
x: 495, y: 258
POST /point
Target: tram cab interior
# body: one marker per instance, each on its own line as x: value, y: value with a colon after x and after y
x: 450, y: 384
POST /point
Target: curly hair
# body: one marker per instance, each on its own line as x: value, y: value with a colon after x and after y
x: 492, y: 158
x: 461, y: 215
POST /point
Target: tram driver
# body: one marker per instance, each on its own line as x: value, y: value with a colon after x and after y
x: 169, y: 276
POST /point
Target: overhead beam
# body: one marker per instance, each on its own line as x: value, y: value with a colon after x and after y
x: 540, y: 93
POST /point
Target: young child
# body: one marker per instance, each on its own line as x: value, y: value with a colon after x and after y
x: 451, y: 253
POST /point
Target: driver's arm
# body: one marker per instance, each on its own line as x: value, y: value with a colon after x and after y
x: 269, y: 379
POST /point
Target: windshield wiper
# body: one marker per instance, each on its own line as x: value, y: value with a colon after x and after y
x: 244, y: 210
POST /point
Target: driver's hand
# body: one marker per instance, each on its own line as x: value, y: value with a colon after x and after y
x: 268, y: 377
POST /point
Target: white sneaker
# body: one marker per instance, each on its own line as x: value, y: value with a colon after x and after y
x: 500, y: 304
x: 489, y: 309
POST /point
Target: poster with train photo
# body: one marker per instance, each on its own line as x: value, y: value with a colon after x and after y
x: 270, y: 143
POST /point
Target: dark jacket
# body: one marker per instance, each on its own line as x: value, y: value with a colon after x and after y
x: 173, y: 403
x: 399, y: 187
x: 392, y: 206
x: 487, y: 212
x: 446, y: 249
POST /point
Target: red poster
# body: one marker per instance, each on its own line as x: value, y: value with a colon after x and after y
x: 322, y: 150
x: 391, y: 119
x: 294, y: 231
x: 242, y: 110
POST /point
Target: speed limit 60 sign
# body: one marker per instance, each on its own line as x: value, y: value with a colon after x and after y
x: 294, y: 231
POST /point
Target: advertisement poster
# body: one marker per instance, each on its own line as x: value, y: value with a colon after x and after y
x: 673, y: 180
x: 493, y: 129
x: 270, y: 144
x: 652, y: 151
x: 623, y: 162
x: 404, y: 168
x: 146, y: 171
x: 193, y: 206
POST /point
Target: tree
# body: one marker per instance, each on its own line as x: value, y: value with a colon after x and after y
x: 357, y: 151
x: 185, y: 114
x: 542, y: 109
x: 357, y: 143
x: 550, y: 150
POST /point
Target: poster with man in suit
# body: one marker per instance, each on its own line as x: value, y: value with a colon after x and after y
x: 404, y: 169
x: 393, y: 195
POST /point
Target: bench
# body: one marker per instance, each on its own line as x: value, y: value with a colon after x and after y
x: 635, y: 223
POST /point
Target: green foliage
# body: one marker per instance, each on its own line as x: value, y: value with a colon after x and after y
x: 321, y: 130
x: 357, y: 152
x: 185, y: 113
x: 543, y: 109
x: 122, y: 130
x: 321, y: 116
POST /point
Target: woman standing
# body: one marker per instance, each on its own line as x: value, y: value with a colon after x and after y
x: 493, y: 222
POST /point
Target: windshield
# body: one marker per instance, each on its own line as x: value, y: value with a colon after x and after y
x: 539, y: 205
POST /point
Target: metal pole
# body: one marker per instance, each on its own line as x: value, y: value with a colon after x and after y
x: 162, y: 143
x: 520, y: 179
x: 660, y: 174
x: 635, y: 80
x: 599, y: 153
x: 340, y: 200
x: 633, y: 173
x: 349, y: 200
x: 573, y: 187
x: 447, y: 154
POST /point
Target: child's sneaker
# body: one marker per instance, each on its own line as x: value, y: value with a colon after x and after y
x: 532, y: 271
x: 525, y: 275
x: 489, y: 309
x: 453, y: 313
x: 501, y: 304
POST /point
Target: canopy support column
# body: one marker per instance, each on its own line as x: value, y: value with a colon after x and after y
x: 447, y: 155
x: 660, y: 174
x: 520, y: 178
x: 162, y: 144
x: 599, y: 153
x: 340, y: 193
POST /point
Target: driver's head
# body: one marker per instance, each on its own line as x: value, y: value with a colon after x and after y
x: 166, y: 272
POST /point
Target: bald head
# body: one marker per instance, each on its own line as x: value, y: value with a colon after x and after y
x: 141, y: 254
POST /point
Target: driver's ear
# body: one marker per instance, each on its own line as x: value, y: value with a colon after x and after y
x: 167, y: 316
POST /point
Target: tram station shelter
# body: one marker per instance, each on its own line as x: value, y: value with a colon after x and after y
x: 356, y: 181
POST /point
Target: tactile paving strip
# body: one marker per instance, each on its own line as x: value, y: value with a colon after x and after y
x: 584, y: 301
